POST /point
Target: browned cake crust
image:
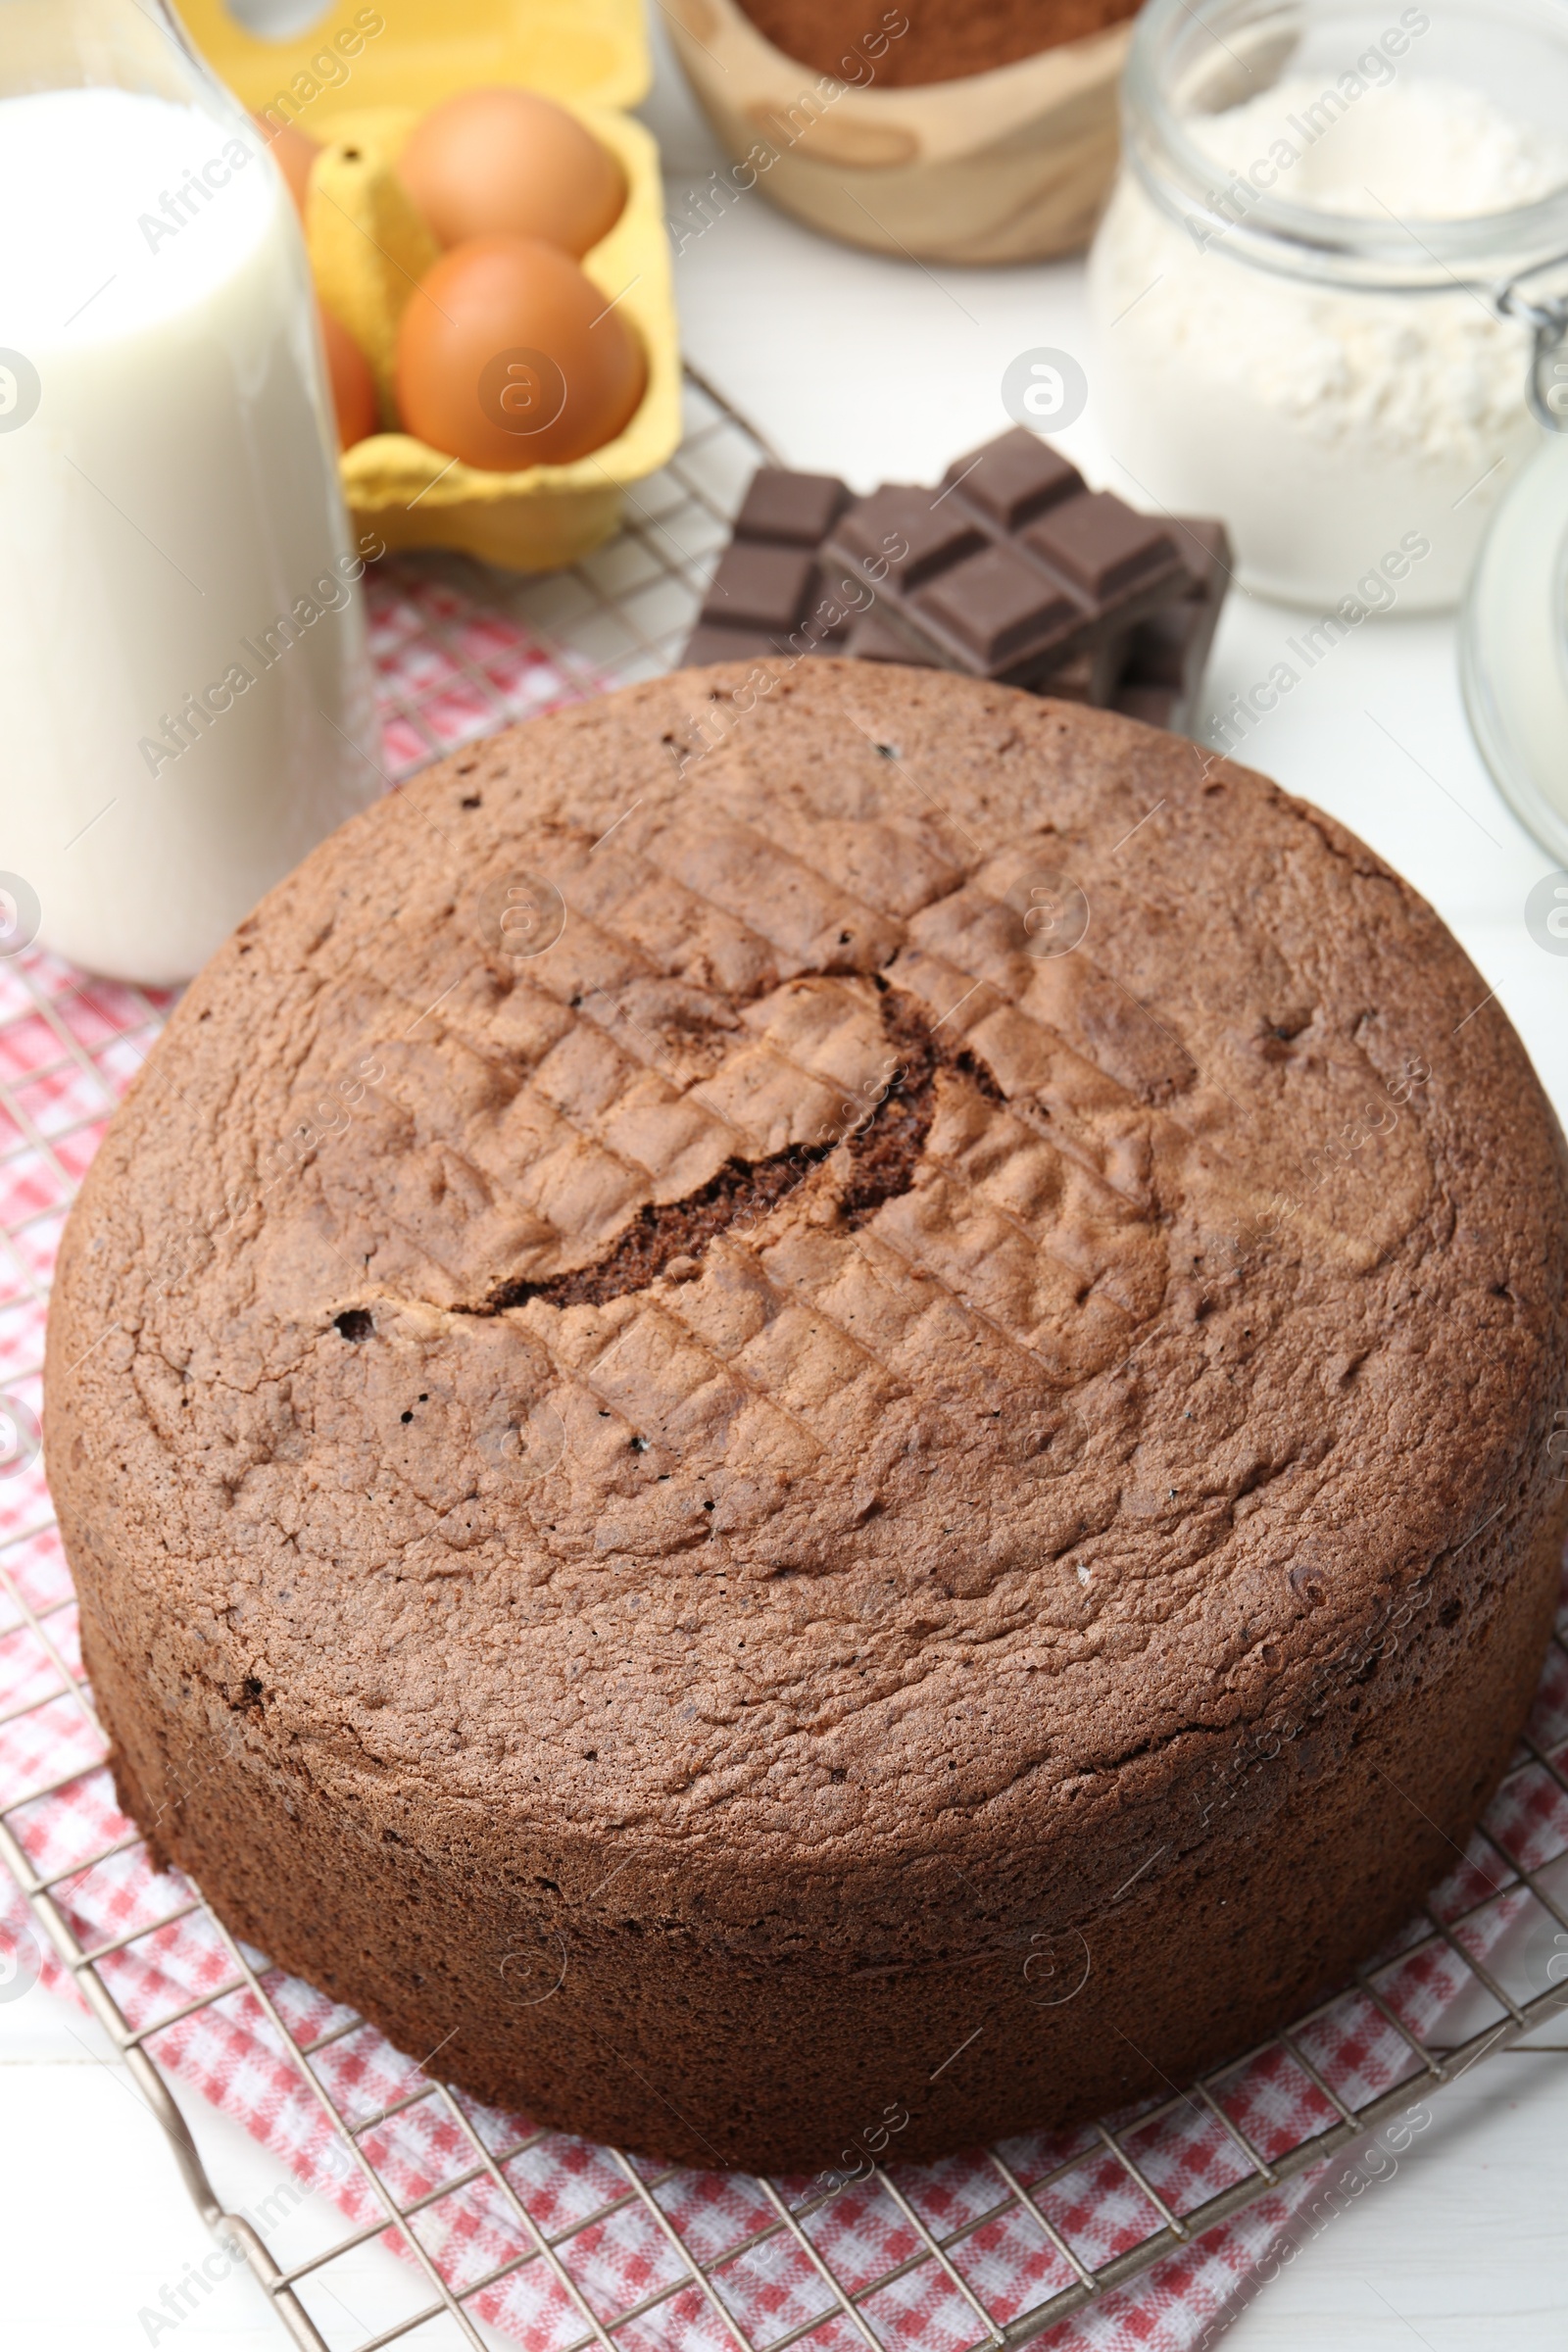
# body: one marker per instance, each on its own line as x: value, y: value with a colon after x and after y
x: 744, y: 1498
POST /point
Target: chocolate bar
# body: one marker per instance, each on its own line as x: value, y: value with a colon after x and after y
x: 778, y: 589
x: 1013, y: 567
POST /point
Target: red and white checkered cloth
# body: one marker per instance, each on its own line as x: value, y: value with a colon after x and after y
x: 451, y: 669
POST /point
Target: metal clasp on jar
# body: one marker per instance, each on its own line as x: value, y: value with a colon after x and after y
x: 1546, y: 384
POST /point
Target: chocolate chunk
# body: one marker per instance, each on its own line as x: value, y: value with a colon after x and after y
x: 760, y: 587
x: 1152, y: 706
x: 873, y: 639
x: 900, y: 532
x: 710, y: 641
x: 797, y: 510
x: 1013, y: 480
x: 1157, y: 651
x: 1166, y: 654
x: 992, y: 603
x: 1094, y: 677
x: 1101, y: 546
x: 865, y: 635
x: 820, y: 631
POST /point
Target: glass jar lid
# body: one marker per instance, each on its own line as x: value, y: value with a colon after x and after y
x: 1188, y: 61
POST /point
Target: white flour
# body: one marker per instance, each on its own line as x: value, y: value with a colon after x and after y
x: 1323, y: 425
x: 1431, y: 150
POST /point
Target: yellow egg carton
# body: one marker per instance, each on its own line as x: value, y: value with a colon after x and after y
x: 359, y: 91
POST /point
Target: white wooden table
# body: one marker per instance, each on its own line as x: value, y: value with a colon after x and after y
x: 879, y: 370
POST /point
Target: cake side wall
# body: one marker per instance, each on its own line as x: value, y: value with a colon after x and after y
x: 1288, y: 1884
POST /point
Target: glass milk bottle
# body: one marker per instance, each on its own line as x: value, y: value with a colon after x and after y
x: 184, y: 697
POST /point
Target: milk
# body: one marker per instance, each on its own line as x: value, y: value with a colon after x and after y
x: 182, y: 678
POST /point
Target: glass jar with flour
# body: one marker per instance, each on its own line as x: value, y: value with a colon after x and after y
x: 1305, y: 290
x: 184, y: 683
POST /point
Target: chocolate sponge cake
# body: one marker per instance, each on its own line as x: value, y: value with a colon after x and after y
x: 815, y: 1401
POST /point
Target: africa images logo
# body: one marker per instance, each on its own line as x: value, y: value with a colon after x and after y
x: 1546, y: 913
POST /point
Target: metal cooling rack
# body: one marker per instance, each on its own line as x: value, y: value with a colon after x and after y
x: 625, y: 612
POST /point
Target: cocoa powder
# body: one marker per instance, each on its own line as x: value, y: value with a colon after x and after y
x: 945, y: 40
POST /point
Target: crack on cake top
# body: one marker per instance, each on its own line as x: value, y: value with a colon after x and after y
x: 884, y: 1143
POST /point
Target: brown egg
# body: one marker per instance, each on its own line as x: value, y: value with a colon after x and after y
x: 509, y: 356
x: 353, y: 385
x: 293, y: 154
x: 505, y: 163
